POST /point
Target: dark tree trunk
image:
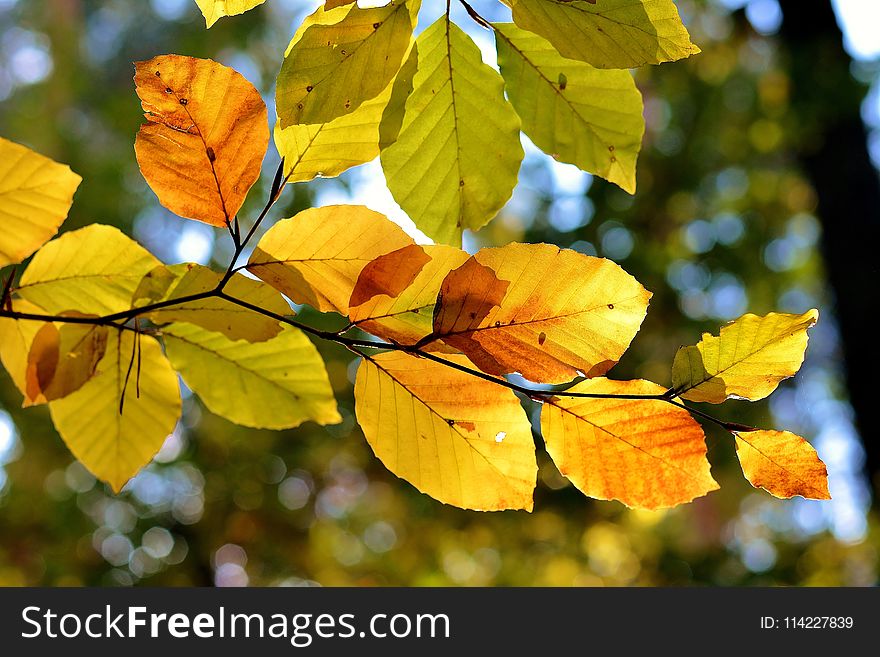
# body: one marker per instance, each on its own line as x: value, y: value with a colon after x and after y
x: 834, y: 154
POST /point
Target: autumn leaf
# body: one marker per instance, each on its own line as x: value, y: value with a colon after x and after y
x: 746, y: 361
x: 341, y: 57
x: 404, y: 316
x: 647, y: 454
x: 456, y: 154
x: 316, y: 256
x: 93, y: 270
x: 206, y: 133
x: 61, y: 359
x: 389, y: 275
x: 112, y: 439
x: 16, y: 337
x: 578, y: 114
x: 214, y: 10
x: 461, y: 440
x: 35, y: 196
x: 275, y: 384
x: 782, y: 463
x: 550, y: 314
x: 609, y: 33
x: 214, y: 313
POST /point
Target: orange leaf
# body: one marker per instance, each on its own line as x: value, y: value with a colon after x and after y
x: 782, y: 463
x: 550, y: 314
x: 467, y: 295
x: 206, y: 133
x: 407, y: 317
x: 389, y: 274
x: 647, y: 454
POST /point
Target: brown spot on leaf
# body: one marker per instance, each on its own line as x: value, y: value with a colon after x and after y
x: 542, y: 337
x: 211, y: 155
x: 184, y: 101
x: 610, y: 306
x: 158, y: 75
x: 468, y: 426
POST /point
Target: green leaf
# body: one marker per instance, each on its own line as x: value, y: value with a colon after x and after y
x: 608, y: 33
x: 340, y: 58
x: 35, y: 195
x: 276, y: 384
x: 327, y: 149
x: 114, y: 445
x: 93, y: 270
x: 578, y: 114
x: 457, y: 155
x: 212, y: 313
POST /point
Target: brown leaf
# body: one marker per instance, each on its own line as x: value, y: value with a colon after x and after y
x: 389, y: 274
x: 61, y: 360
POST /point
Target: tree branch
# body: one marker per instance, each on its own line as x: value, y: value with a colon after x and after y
x: 355, y: 345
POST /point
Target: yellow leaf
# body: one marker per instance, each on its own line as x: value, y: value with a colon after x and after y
x: 316, y: 256
x: 327, y: 149
x: 35, y: 196
x: 461, y: 440
x: 341, y: 57
x: 206, y: 133
x: 747, y: 360
x: 647, y: 454
x: 782, y: 463
x: 214, y: 10
x: 212, y: 313
x: 16, y: 336
x: 550, y: 314
x: 276, y: 384
x: 608, y: 33
x: 576, y: 113
x: 114, y: 445
x: 457, y: 153
x: 62, y: 358
x: 93, y: 270
x: 406, y: 317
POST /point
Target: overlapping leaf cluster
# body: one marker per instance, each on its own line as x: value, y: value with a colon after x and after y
x: 97, y: 328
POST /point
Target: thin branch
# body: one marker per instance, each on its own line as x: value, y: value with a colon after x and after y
x: 479, y: 20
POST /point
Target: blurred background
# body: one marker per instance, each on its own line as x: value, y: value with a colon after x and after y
x: 758, y: 191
